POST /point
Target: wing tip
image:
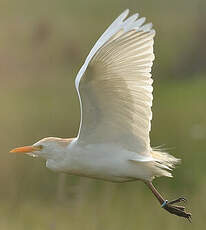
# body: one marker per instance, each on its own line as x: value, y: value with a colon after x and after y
x: 135, y: 22
x: 124, y: 14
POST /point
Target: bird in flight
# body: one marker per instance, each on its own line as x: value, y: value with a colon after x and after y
x: 114, y: 87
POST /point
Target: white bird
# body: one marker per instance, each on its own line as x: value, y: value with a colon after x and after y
x: 114, y: 86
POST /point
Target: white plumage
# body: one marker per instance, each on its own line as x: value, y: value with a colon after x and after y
x: 114, y: 86
x: 115, y: 91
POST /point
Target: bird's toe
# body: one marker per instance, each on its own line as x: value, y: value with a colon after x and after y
x: 178, y: 200
x: 177, y: 210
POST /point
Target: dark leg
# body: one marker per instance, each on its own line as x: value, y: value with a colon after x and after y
x: 174, y: 209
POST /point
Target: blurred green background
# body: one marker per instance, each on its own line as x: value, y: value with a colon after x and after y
x: 42, y: 46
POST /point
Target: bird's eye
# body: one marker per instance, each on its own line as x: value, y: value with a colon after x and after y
x: 40, y: 147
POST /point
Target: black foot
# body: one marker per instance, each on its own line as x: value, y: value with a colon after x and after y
x: 177, y: 210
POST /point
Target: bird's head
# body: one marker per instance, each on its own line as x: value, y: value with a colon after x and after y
x: 49, y: 147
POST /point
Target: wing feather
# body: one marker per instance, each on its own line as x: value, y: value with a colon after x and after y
x: 115, y: 86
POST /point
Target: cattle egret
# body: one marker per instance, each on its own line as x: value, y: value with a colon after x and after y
x: 114, y: 86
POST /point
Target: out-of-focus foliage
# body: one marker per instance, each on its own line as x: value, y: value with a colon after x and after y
x: 42, y: 46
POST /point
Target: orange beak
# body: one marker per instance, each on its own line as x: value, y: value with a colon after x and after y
x: 24, y: 149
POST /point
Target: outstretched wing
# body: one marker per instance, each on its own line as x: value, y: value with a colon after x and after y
x: 115, y: 86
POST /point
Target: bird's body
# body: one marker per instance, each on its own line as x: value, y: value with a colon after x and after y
x: 101, y: 161
x: 108, y: 162
x: 114, y: 86
x: 96, y: 161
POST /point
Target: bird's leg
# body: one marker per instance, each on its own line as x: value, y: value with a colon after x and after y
x: 168, y: 206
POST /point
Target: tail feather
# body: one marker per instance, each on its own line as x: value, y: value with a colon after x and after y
x: 164, y: 162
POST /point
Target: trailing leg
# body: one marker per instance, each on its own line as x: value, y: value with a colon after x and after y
x: 169, y: 206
